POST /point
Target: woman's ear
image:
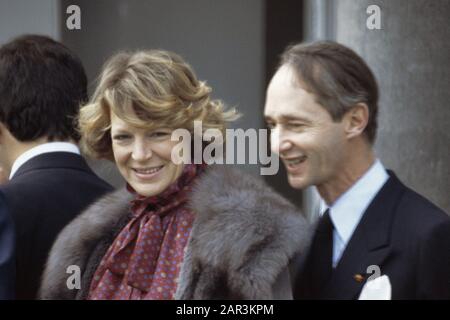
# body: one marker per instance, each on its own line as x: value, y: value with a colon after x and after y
x: 356, y: 120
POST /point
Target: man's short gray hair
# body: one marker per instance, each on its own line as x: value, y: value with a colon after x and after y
x: 338, y: 77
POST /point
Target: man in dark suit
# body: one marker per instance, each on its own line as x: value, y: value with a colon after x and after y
x: 322, y: 106
x: 7, y: 267
x: 42, y: 84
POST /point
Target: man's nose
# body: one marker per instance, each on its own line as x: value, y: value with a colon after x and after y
x: 279, y: 142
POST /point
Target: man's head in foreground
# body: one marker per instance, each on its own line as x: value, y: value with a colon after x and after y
x: 322, y: 106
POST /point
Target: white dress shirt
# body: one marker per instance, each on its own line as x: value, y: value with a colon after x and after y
x: 40, y: 149
x: 348, y: 209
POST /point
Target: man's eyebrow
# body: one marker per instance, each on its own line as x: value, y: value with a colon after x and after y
x: 288, y: 117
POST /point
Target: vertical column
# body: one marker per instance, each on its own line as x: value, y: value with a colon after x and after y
x: 410, y: 57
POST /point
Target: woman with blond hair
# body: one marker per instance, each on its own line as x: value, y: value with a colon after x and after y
x: 177, y: 231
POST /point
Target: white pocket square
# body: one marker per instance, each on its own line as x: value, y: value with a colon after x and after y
x: 376, y: 289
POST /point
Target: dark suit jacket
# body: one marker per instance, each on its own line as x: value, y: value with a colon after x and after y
x: 7, y: 266
x: 402, y: 233
x: 44, y: 195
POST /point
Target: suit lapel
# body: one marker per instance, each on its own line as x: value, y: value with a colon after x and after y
x: 351, y: 273
x: 369, y: 245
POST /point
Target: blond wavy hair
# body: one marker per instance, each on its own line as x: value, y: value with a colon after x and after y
x: 148, y: 89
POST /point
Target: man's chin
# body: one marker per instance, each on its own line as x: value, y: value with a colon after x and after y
x: 297, y: 182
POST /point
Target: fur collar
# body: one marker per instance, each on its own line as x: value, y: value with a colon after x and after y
x: 78, y: 239
x: 243, y: 237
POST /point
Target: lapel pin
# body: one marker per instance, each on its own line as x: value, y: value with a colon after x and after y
x: 359, y: 277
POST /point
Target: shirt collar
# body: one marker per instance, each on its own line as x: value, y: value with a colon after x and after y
x: 40, y: 149
x: 349, y: 208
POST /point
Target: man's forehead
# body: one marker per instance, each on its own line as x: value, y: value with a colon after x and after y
x: 285, y: 95
x: 286, y: 84
x: 292, y: 105
x: 284, y: 75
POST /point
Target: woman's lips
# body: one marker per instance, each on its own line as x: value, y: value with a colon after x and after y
x: 148, y: 172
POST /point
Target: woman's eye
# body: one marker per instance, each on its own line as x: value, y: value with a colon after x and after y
x: 270, y: 125
x: 121, y: 137
x: 159, y: 134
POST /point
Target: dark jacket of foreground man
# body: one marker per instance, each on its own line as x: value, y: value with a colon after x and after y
x: 403, y: 234
x: 43, y: 196
x: 241, y: 243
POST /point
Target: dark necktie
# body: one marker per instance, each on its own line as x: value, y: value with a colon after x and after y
x: 319, y: 264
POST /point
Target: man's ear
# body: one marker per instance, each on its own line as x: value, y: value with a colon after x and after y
x: 356, y: 120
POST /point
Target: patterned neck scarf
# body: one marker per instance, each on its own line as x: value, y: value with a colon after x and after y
x: 144, y: 260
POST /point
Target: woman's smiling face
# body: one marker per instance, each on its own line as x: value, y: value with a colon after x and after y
x: 143, y: 156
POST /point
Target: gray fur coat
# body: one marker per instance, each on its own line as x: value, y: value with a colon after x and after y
x: 241, y: 243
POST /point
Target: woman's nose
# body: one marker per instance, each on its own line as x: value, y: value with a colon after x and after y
x: 141, y: 151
